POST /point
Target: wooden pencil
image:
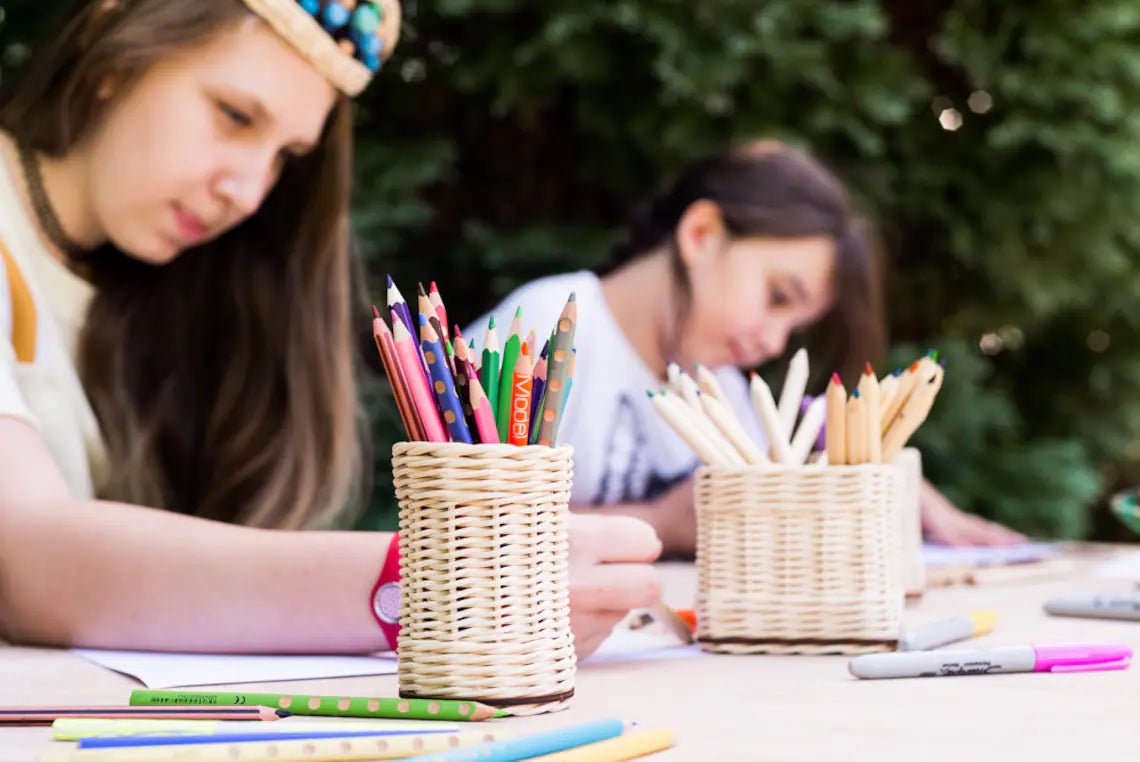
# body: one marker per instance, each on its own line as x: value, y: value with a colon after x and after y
x: 913, y: 414
x: 808, y: 431
x: 708, y: 384
x: 836, y: 432
x: 408, y: 352
x: 462, y: 384
x: 489, y: 369
x: 386, y: 345
x: 898, y: 399
x: 869, y: 393
x: 521, y: 390
x: 557, y: 374
x: 725, y: 421
x: 673, y: 410
x: 507, y: 376
x: 766, y: 409
x: 795, y: 381
x: 440, y: 310
x: 856, y: 430
x: 481, y: 409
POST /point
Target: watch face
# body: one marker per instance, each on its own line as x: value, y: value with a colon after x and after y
x: 387, y: 602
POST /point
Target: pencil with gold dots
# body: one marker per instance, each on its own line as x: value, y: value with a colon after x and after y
x: 558, y: 374
x: 443, y: 383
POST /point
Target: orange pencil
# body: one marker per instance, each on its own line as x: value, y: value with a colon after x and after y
x: 519, y: 428
x: 387, y: 347
x: 481, y: 409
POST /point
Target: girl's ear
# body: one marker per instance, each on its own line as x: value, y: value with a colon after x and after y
x: 700, y: 233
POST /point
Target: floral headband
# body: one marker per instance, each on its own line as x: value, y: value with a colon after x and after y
x: 347, y: 40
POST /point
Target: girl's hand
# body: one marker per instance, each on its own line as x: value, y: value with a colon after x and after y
x: 611, y: 572
x: 944, y: 523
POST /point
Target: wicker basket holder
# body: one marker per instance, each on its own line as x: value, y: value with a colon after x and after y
x: 909, y: 460
x: 485, y: 602
x: 803, y: 560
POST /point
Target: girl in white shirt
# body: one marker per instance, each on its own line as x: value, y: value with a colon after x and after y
x: 738, y: 253
x: 175, y: 315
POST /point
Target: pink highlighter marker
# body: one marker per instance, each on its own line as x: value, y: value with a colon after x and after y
x: 1067, y: 657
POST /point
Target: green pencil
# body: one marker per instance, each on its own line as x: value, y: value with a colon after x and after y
x: 507, y: 376
x: 489, y: 372
x: 327, y: 706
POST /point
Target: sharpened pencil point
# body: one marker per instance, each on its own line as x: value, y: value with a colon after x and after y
x: 391, y: 282
x: 375, y: 313
x: 491, y: 322
x: 868, y: 370
x: 855, y: 394
x: 834, y: 379
x: 573, y: 297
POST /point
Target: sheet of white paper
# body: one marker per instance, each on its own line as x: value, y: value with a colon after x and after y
x: 641, y: 645
x: 943, y: 555
x: 179, y: 670
x: 1124, y: 566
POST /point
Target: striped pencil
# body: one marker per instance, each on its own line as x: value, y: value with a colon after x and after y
x: 538, y: 385
x: 44, y: 715
x: 398, y: 305
x: 396, y: 378
x: 481, y: 409
x: 418, y: 385
x: 557, y: 376
x: 489, y: 370
x: 443, y: 382
x: 521, y: 391
x: 507, y: 376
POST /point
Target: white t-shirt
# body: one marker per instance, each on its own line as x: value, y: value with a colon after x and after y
x: 623, y: 450
x: 46, y: 392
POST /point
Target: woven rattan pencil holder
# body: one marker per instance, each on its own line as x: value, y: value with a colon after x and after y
x: 909, y: 461
x: 802, y: 560
x: 485, y: 602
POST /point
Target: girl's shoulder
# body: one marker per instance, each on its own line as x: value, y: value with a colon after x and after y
x: 540, y: 303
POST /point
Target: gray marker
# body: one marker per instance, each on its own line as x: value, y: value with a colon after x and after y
x: 1097, y: 607
x: 1070, y: 657
x: 948, y: 631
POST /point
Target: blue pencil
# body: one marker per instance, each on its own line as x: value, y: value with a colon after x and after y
x: 530, y: 746
x: 443, y: 383
x: 115, y: 742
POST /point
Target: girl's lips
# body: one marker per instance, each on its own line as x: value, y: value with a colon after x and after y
x: 191, y: 229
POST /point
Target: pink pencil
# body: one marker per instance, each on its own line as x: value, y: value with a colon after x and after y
x: 481, y: 409
x: 43, y: 715
x: 418, y: 385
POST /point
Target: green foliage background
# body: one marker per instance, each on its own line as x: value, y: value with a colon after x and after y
x: 508, y: 139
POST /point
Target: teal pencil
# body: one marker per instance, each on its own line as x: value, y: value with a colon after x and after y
x: 489, y: 372
x: 506, y: 377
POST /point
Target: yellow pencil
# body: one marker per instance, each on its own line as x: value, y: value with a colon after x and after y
x: 856, y: 430
x: 869, y: 393
x: 628, y: 746
x: 836, y: 432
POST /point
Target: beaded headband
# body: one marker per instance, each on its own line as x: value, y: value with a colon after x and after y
x: 347, y: 40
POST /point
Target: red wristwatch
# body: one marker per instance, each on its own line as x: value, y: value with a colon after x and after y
x: 386, y: 594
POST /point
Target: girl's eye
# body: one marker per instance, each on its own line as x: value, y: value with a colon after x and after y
x: 237, y: 116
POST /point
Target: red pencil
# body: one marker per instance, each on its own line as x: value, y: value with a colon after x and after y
x: 399, y: 382
x: 43, y: 715
x: 481, y: 409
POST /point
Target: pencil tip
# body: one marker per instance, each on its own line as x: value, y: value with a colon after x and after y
x: 420, y: 286
x: 375, y: 313
x: 897, y: 372
x: 868, y: 370
x: 518, y: 312
x: 834, y: 379
x: 283, y: 713
x: 649, y: 393
x: 855, y: 394
x: 434, y: 288
x: 390, y: 281
x: 491, y: 322
x: 573, y: 297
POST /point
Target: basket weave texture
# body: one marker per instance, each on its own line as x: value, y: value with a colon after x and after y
x: 914, y: 569
x: 485, y: 608
x: 802, y: 560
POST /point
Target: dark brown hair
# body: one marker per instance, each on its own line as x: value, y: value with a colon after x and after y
x: 222, y: 381
x: 765, y: 188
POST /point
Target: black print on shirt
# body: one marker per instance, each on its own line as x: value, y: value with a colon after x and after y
x: 629, y: 476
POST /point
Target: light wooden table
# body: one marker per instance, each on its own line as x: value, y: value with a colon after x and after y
x: 777, y: 708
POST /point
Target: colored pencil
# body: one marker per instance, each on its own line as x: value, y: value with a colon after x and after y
x: 538, y: 385
x: 46, y: 715
x: 690, y: 393
x: 447, y: 710
x: 638, y: 743
x: 507, y: 376
x: 913, y: 414
x: 127, y: 742
x: 569, y: 380
x: 869, y: 393
x: 906, y: 383
x: 443, y: 383
x: 532, y: 344
x: 836, y: 422
x: 440, y: 310
x: 709, y: 385
x: 679, y: 416
x: 856, y: 430
x: 808, y: 431
x: 76, y: 728
x: 724, y: 419
x: 481, y: 409
x: 462, y: 383
x: 769, y: 414
x: 558, y: 373
x: 326, y: 750
x: 521, y: 391
x: 399, y: 305
x: 396, y: 378
x: 795, y: 381
x: 527, y: 747
x: 422, y: 397
x: 489, y: 370
x: 888, y: 385
x: 673, y: 377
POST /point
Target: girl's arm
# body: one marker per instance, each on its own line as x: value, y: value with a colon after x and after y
x: 671, y: 514
x: 99, y: 574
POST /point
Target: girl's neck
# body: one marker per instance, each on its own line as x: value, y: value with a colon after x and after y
x: 640, y: 296
x: 65, y: 181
